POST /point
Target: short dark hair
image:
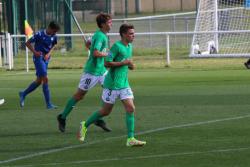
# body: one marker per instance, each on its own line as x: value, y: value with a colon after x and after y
x: 124, y: 28
x: 102, y: 18
x: 53, y: 25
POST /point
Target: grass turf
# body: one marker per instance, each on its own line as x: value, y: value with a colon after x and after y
x: 180, y: 113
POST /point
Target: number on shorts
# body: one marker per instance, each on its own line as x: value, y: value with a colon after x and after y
x: 88, y: 81
x: 110, y: 92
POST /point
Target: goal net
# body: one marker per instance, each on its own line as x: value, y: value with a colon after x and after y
x: 221, y: 29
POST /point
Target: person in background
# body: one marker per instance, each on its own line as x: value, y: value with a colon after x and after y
x: 44, y: 42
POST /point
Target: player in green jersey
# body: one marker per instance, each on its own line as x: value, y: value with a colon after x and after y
x: 94, y: 71
x: 116, y: 85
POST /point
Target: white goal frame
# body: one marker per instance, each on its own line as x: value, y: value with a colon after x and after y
x: 227, y: 26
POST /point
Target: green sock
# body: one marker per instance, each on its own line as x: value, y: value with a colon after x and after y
x: 94, y: 117
x: 68, y: 108
x: 130, y: 121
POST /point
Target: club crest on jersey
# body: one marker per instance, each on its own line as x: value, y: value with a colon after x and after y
x: 110, y: 54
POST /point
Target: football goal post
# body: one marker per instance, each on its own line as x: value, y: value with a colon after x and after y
x: 222, y: 29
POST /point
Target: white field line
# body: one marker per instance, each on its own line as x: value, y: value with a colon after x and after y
x: 118, y: 137
x: 230, y: 150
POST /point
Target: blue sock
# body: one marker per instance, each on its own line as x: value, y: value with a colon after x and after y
x: 31, y: 88
x: 46, y: 93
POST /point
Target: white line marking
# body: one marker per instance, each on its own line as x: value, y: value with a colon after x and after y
x: 193, y: 124
x: 138, y: 157
x: 118, y: 137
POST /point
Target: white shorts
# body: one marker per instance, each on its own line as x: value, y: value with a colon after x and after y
x: 88, y: 81
x: 109, y: 96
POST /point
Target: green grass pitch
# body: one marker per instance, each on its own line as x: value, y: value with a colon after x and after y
x: 189, y: 118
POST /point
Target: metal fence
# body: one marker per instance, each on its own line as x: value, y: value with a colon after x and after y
x: 162, y: 40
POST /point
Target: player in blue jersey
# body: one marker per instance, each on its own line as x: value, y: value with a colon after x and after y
x: 44, y: 42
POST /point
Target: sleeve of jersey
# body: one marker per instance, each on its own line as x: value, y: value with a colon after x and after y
x: 98, y: 43
x: 112, y: 53
x: 55, y: 41
x: 34, y: 37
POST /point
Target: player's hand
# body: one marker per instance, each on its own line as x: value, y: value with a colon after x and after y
x: 129, y: 63
x: 131, y: 66
x: 107, y: 53
x: 46, y: 57
x: 126, y: 62
x: 37, y: 54
x: 88, y: 44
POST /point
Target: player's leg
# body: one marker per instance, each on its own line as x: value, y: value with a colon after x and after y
x: 97, y: 115
x: 45, y: 81
x: 108, y: 98
x: 72, y: 101
x: 129, y: 108
x: 86, y: 83
x: 28, y: 90
x: 104, y: 111
x: 46, y: 93
x: 39, y: 68
x: 126, y: 96
x: 100, y: 122
x: 61, y: 118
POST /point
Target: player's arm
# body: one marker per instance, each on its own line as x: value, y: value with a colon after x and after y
x: 98, y: 53
x: 87, y: 43
x: 115, y: 51
x: 46, y: 57
x: 126, y: 62
x: 32, y: 49
x: 54, y: 43
x: 97, y: 47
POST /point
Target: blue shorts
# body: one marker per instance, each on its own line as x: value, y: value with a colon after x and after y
x: 41, y: 66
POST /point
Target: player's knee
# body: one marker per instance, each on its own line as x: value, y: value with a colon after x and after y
x: 44, y: 80
x: 104, y: 112
x: 78, y: 96
x: 38, y: 81
x: 130, y: 109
